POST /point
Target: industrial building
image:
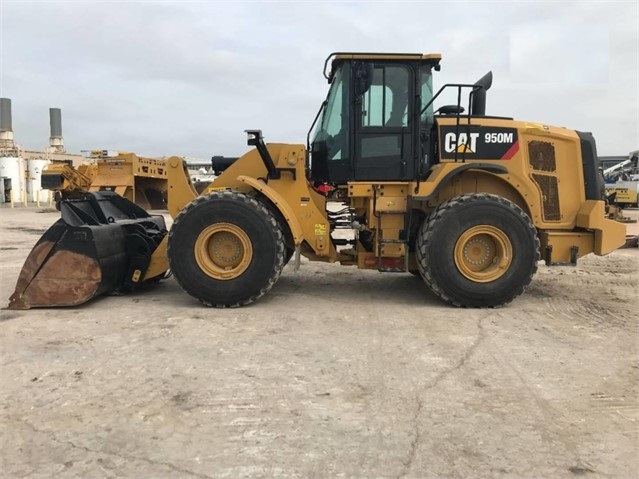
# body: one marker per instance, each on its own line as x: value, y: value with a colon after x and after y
x: 21, y: 169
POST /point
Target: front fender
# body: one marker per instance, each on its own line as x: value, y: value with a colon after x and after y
x: 280, y: 203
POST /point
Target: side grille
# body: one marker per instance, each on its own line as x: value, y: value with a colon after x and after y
x: 542, y: 159
x: 550, y: 192
x: 542, y: 156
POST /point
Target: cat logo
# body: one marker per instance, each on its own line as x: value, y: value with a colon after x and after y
x: 465, y: 143
x: 477, y: 141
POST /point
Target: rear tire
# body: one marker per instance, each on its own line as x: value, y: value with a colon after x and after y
x: 226, y: 249
x: 477, y: 250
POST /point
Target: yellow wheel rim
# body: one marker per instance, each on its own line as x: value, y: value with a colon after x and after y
x: 223, y: 251
x: 483, y: 253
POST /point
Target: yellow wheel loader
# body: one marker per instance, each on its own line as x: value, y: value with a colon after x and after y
x: 65, y: 180
x: 140, y: 180
x: 467, y: 201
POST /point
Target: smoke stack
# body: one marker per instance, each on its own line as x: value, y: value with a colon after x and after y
x: 6, y: 129
x: 5, y: 114
x: 478, y: 94
x: 56, y: 142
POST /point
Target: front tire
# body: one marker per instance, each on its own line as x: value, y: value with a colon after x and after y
x: 477, y: 250
x: 226, y: 249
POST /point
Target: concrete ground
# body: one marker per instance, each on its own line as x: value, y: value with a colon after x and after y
x: 335, y: 373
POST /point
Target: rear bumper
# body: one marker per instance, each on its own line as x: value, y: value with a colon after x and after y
x: 609, y: 235
x: 594, y: 233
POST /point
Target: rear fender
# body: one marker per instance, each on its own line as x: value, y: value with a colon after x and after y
x: 443, y: 173
x: 476, y: 180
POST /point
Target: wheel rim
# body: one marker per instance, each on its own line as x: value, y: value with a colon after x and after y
x: 483, y: 253
x: 223, y: 251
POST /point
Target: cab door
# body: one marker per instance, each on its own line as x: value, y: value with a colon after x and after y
x: 383, y: 139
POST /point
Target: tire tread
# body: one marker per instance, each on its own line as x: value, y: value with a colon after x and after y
x: 275, y: 229
x: 441, y: 213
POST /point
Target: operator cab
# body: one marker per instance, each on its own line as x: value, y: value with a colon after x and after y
x: 376, y: 122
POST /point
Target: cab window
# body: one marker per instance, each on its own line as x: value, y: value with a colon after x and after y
x: 386, y: 101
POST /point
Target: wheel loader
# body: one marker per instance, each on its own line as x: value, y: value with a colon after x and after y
x: 140, y: 180
x: 466, y: 201
x: 65, y: 180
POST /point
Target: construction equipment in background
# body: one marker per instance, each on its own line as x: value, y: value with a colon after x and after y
x: 140, y: 180
x: 466, y: 201
x: 206, y: 174
x: 622, y: 182
x: 66, y: 181
x: 203, y: 172
x: 617, y: 213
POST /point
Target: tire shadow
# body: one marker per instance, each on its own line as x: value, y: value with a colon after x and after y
x: 356, y: 286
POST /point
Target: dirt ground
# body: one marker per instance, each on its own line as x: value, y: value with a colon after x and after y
x: 335, y: 373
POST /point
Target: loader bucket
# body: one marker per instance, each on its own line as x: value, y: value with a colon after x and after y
x: 102, y: 243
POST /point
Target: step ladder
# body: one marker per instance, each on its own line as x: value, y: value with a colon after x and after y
x: 391, y: 264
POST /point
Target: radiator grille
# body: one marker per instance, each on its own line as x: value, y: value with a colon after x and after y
x: 550, y: 192
x: 542, y: 156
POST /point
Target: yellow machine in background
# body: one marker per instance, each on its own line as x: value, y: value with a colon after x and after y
x: 626, y: 193
x: 140, y: 180
x: 466, y: 201
x: 65, y: 180
x: 622, y: 182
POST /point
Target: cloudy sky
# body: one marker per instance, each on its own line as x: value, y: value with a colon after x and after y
x: 187, y: 78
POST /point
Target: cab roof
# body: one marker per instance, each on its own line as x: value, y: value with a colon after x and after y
x: 432, y: 58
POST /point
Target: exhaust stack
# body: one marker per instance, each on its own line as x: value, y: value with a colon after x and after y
x: 478, y: 107
x: 56, y: 142
x: 6, y: 128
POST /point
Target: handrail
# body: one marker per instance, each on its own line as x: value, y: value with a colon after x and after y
x: 459, y: 86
